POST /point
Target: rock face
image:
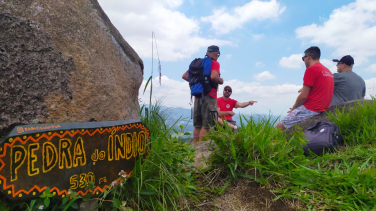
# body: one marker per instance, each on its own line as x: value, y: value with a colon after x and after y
x: 305, y: 124
x: 63, y: 61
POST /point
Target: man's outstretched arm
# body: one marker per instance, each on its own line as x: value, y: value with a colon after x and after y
x: 244, y: 104
x: 302, y: 97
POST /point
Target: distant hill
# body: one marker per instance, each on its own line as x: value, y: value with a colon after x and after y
x: 185, y: 117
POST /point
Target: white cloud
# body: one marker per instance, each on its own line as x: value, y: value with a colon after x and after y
x: 370, y: 88
x: 177, y: 35
x: 259, y: 64
x: 276, y: 99
x: 371, y: 68
x: 294, y: 61
x: 174, y: 93
x: 258, y: 36
x: 329, y: 64
x: 350, y: 29
x: 224, y: 22
x: 266, y: 75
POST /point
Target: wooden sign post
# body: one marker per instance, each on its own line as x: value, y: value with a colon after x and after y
x: 69, y: 156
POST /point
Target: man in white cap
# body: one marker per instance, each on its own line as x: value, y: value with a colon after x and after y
x: 347, y: 84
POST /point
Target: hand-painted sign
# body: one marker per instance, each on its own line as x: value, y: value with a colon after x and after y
x: 69, y: 156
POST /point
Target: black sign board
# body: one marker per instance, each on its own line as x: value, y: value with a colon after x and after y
x: 68, y: 156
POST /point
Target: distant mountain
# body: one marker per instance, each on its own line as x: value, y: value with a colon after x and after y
x: 183, y: 115
x: 174, y: 113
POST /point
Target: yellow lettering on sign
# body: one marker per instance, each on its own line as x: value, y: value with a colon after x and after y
x: 79, y: 153
x: 102, y: 155
x: 49, y: 156
x: 126, y: 146
x: 134, y: 144
x: 94, y: 156
x: 90, y: 177
x: 110, y: 146
x: 83, y: 181
x: 17, y: 158
x: 64, y: 153
x: 119, y: 147
x: 142, y: 143
x: 32, y: 158
x: 128, y: 143
x: 73, y: 182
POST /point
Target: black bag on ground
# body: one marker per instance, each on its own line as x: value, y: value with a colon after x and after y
x: 322, y: 137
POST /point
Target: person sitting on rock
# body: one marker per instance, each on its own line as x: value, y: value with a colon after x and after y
x: 315, y: 95
x: 226, y: 105
x: 347, y: 84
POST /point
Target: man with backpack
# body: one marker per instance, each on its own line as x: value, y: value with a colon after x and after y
x: 316, y: 93
x: 203, y: 76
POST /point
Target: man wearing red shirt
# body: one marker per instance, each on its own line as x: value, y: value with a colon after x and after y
x: 226, y: 104
x: 205, y: 113
x: 315, y: 95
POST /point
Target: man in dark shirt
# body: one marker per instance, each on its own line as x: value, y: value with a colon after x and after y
x: 347, y: 84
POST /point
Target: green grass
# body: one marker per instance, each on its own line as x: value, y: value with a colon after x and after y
x: 162, y: 181
x: 344, y: 180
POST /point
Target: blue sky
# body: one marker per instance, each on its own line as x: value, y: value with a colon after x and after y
x: 261, y: 43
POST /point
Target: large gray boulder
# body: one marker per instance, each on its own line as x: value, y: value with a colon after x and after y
x: 64, y: 61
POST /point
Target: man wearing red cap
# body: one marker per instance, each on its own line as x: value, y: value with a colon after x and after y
x: 347, y: 84
x: 226, y: 105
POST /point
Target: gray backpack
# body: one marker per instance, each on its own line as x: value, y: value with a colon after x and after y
x: 322, y: 137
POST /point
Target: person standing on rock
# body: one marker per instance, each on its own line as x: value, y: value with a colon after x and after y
x: 226, y: 105
x: 347, y: 84
x: 205, y: 114
x: 315, y: 95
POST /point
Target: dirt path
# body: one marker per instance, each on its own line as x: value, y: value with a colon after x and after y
x: 243, y: 194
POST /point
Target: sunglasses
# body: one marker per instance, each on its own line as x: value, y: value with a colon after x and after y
x: 304, y: 57
x: 227, y: 90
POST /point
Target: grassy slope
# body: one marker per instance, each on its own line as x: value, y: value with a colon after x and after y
x: 343, y: 180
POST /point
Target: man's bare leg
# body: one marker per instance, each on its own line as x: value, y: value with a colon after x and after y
x: 280, y: 126
x: 196, y: 134
x: 203, y: 132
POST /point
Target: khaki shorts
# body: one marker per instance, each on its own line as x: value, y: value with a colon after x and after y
x: 205, y: 113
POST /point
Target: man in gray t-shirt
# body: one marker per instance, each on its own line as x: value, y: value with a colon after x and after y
x: 347, y: 84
